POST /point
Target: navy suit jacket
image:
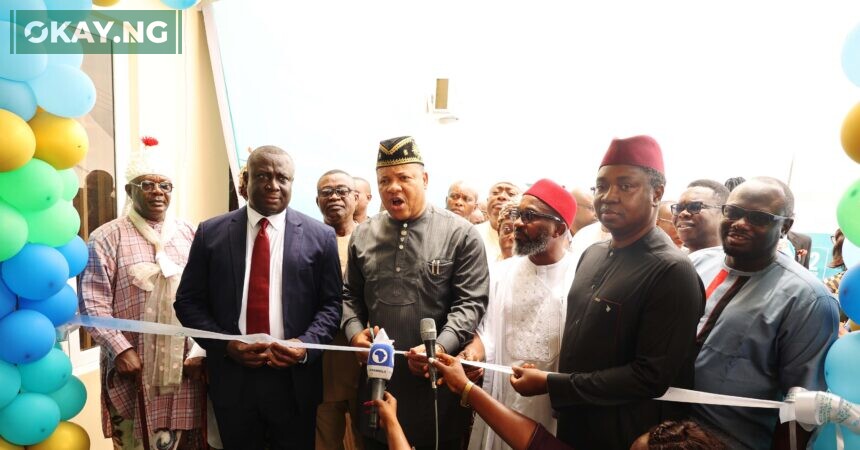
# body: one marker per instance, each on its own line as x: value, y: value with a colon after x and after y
x: 210, y: 297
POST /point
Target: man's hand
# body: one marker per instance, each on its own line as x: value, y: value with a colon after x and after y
x: 473, y: 352
x: 248, y: 355
x: 193, y: 369
x: 363, y: 340
x: 281, y: 356
x: 127, y: 364
x: 418, y: 363
x: 529, y: 381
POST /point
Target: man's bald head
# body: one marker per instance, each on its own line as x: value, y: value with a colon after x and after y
x: 584, y: 210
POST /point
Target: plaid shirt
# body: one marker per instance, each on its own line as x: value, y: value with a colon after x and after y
x: 105, y: 289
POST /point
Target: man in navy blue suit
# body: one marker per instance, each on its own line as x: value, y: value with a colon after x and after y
x: 264, y: 269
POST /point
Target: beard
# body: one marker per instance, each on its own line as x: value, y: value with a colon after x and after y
x: 528, y: 247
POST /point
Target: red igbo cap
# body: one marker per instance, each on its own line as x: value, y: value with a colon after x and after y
x: 642, y: 151
x: 555, y: 197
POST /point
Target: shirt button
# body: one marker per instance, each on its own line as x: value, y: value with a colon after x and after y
x: 405, y: 225
x: 400, y: 247
x: 403, y: 233
x: 397, y: 269
x: 402, y: 239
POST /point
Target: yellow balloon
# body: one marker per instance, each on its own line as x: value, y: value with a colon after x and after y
x: 105, y: 3
x: 851, y: 133
x: 67, y: 436
x: 60, y: 141
x: 7, y: 446
x: 17, y: 143
x: 852, y: 325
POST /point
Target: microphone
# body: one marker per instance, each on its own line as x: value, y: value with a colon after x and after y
x: 428, y: 335
x: 380, y: 366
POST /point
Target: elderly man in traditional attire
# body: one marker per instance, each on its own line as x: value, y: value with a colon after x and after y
x: 134, y: 267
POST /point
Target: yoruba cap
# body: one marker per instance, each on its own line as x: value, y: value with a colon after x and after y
x: 399, y: 150
x: 556, y: 197
x: 642, y: 151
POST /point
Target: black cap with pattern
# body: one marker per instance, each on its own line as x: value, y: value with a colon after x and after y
x: 399, y: 150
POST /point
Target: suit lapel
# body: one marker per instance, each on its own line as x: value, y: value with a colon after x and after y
x: 292, y: 245
x: 238, y: 231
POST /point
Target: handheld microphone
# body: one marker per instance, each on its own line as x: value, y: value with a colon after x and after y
x: 380, y: 366
x: 428, y: 335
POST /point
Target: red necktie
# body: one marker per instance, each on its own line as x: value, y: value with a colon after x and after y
x: 257, y: 313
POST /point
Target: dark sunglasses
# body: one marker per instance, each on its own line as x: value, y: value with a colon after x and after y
x: 691, y: 207
x: 757, y: 218
x: 341, y: 191
x: 149, y: 186
x: 528, y: 215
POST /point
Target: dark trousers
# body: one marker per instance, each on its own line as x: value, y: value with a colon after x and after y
x: 373, y: 444
x: 266, y: 416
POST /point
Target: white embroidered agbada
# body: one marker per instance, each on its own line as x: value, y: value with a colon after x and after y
x: 524, y: 322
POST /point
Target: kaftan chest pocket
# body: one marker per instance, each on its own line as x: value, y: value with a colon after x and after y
x: 438, y: 271
x: 602, y: 322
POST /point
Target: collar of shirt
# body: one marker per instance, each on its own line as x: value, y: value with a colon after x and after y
x: 277, y: 221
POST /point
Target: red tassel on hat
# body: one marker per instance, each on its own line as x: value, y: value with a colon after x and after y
x: 149, y: 141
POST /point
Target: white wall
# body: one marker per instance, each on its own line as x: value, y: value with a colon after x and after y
x: 728, y: 88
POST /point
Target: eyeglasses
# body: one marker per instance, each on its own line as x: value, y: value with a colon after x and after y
x: 757, y: 218
x: 691, y: 207
x: 149, y: 186
x: 603, y: 188
x: 528, y: 215
x: 341, y: 191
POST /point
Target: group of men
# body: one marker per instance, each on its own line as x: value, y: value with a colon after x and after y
x: 594, y: 335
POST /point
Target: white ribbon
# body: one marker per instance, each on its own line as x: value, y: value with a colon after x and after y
x: 806, y: 407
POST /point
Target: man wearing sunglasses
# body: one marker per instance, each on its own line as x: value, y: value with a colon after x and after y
x: 697, y: 215
x: 768, y: 322
x: 528, y: 302
x: 631, y: 314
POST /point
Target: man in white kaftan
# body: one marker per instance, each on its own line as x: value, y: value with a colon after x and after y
x: 528, y: 301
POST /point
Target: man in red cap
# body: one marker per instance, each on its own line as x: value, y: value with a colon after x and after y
x: 631, y: 314
x: 528, y: 296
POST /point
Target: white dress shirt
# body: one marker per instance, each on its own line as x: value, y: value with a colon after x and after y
x: 275, y: 232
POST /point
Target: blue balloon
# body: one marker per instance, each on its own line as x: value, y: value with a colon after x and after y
x: 71, y: 398
x: 68, y: 59
x: 840, y: 367
x: 18, y: 67
x: 825, y: 439
x: 29, y: 419
x: 76, y: 254
x: 82, y: 8
x: 27, y: 336
x: 64, y: 91
x: 179, y: 4
x: 17, y: 97
x: 10, y: 383
x: 36, y: 272
x: 48, y: 374
x: 849, y: 293
x: 851, y: 56
x: 8, y: 300
x: 11, y: 5
x: 58, y: 308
